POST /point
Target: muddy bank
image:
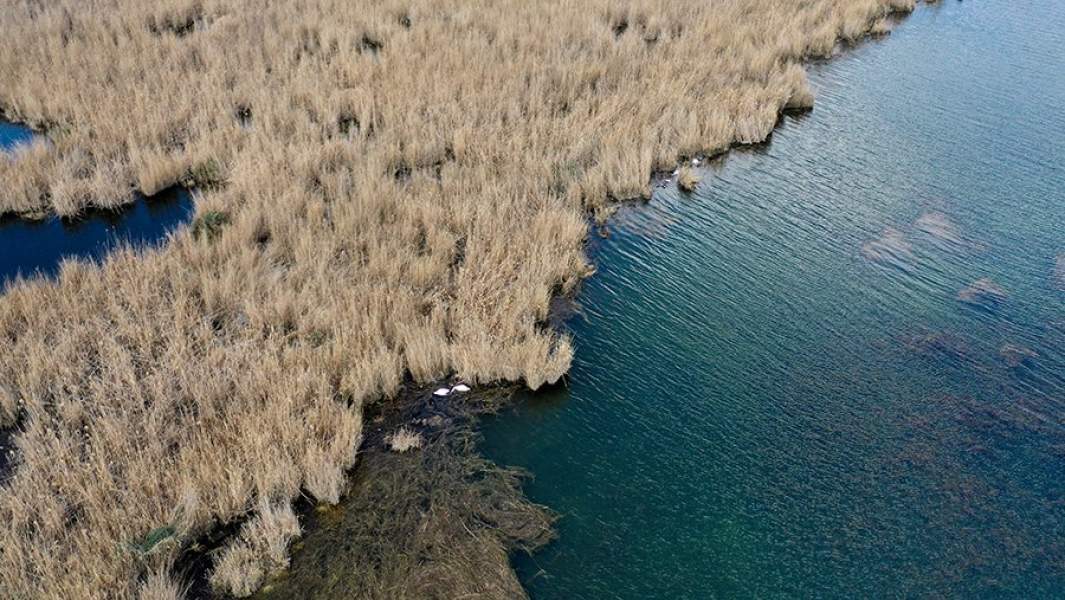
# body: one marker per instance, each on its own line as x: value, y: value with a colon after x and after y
x: 425, y: 516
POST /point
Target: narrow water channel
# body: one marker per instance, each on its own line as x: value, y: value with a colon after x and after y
x: 30, y: 248
x: 37, y: 247
x: 12, y: 136
x: 838, y: 368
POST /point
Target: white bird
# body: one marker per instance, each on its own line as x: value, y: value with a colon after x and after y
x: 462, y: 387
x: 442, y: 392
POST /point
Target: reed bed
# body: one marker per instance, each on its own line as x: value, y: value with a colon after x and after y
x: 388, y: 190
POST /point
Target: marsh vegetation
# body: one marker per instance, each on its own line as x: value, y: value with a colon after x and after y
x: 392, y: 191
x: 438, y: 522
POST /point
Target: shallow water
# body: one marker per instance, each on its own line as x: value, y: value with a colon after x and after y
x: 782, y: 387
x: 38, y: 247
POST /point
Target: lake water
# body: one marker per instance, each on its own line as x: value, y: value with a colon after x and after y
x: 787, y: 383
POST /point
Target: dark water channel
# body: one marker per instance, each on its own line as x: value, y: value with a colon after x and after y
x: 32, y: 247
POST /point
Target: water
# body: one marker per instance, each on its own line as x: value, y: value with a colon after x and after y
x: 38, y: 247
x: 777, y: 391
x: 12, y: 135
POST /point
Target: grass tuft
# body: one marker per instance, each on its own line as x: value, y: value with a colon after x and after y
x: 209, y: 224
x: 260, y: 550
x: 153, y: 539
x: 687, y: 179
x: 404, y: 440
x: 208, y: 174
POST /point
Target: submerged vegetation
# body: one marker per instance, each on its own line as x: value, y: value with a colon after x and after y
x: 436, y: 523
x: 391, y: 190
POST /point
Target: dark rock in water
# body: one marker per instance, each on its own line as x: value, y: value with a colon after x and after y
x: 560, y: 310
x: 984, y: 293
x: 1008, y: 418
x: 1057, y: 451
x: 1016, y: 356
x: 940, y: 343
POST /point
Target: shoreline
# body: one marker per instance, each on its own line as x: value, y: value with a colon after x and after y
x: 419, y: 402
x: 567, y: 284
x: 440, y: 490
x: 893, y: 214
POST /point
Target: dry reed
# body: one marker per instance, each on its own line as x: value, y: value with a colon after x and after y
x: 687, y: 179
x: 404, y: 440
x: 387, y: 188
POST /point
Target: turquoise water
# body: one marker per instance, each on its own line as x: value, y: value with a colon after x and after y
x: 783, y: 387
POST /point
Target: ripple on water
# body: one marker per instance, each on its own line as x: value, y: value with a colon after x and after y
x: 1059, y: 272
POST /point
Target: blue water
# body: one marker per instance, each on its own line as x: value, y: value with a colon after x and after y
x: 12, y: 135
x: 37, y: 247
x: 782, y: 387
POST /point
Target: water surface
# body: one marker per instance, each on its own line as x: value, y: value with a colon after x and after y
x: 31, y: 247
x: 12, y: 135
x: 787, y: 384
